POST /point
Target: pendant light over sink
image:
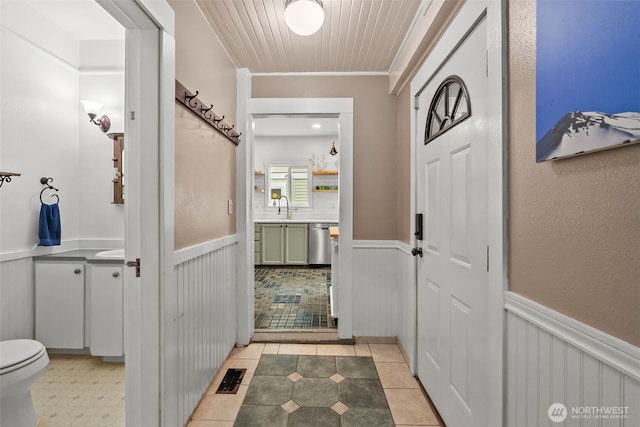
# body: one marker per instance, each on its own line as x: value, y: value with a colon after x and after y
x: 304, y: 17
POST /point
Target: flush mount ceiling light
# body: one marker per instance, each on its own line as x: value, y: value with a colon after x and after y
x: 304, y: 17
x: 92, y: 108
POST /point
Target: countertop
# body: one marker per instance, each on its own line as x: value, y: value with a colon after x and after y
x: 88, y: 255
x: 296, y: 221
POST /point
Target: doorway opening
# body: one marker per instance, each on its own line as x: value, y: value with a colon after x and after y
x: 296, y: 198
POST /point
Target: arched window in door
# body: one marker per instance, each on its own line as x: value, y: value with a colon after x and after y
x: 450, y: 106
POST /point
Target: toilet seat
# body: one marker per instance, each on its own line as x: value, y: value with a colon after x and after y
x: 15, y: 354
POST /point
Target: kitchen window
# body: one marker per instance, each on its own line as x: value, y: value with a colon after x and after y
x: 293, y: 182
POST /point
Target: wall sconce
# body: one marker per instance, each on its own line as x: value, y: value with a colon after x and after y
x: 333, y: 151
x: 304, y: 17
x: 92, y: 108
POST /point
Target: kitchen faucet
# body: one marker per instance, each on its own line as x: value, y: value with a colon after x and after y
x: 279, y: 201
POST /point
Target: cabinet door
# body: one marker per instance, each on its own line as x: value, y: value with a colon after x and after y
x: 106, y: 310
x: 257, y: 234
x: 60, y: 304
x: 296, y: 244
x: 272, y: 244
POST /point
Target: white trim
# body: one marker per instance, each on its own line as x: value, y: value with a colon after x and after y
x: 244, y: 212
x: 343, y: 107
x: 67, y: 245
x: 195, y: 251
x: 382, y: 244
x: 324, y: 73
x: 604, y: 347
x: 422, y: 10
x: 375, y: 244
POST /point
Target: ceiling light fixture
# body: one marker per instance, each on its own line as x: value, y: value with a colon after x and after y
x: 92, y: 108
x: 304, y: 17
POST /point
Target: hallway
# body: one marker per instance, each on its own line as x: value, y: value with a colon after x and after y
x: 405, y: 398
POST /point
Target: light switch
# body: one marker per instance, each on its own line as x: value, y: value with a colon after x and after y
x: 230, y: 206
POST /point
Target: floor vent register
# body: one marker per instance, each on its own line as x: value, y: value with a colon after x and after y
x: 231, y: 381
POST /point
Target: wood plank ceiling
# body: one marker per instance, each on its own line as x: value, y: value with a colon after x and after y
x: 357, y: 35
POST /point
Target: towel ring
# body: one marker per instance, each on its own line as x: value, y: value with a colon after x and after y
x: 47, y: 181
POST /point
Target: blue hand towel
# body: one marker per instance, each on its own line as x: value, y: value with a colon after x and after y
x: 49, y: 230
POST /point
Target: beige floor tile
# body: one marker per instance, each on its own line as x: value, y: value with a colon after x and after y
x: 271, y: 349
x: 409, y: 406
x: 395, y: 375
x: 386, y: 353
x: 335, y: 350
x: 302, y: 349
x: 220, y: 407
x: 252, y: 351
x: 209, y: 423
x: 362, y: 350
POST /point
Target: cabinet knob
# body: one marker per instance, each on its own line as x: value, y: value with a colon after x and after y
x: 116, y: 274
x: 77, y: 271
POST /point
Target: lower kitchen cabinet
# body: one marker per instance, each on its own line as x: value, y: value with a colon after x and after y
x: 284, y: 244
x: 106, y: 305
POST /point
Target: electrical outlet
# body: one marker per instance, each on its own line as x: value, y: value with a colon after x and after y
x: 230, y: 206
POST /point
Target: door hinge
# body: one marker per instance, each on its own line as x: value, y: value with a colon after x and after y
x: 135, y: 264
x: 487, y: 258
x: 416, y: 102
x: 132, y: 115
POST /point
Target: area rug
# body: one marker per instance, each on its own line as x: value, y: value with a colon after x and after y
x: 315, y: 391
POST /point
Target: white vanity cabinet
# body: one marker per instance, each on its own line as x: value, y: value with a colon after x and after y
x: 60, y: 304
x: 106, y: 308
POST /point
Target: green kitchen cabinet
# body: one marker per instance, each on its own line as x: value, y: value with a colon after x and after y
x: 284, y: 244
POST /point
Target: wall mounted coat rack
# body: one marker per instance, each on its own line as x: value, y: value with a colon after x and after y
x: 203, y: 111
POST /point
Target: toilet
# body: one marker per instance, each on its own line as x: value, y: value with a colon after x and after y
x: 21, y: 363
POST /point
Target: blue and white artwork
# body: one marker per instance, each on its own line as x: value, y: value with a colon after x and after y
x: 587, y: 76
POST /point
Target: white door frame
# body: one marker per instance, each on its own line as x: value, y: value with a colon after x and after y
x: 497, y: 170
x: 343, y: 107
x: 149, y: 121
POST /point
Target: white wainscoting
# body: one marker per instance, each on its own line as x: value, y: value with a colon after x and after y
x: 551, y: 358
x: 379, y: 282
x: 206, y: 323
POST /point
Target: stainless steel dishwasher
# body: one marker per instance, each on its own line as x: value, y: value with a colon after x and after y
x: 320, y: 243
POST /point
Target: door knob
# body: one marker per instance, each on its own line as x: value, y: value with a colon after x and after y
x: 416, y: 251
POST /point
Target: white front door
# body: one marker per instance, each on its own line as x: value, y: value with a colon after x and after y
x: 453, y: 337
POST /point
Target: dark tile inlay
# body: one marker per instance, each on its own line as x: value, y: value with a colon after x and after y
x: 269, y: 391
x: 356, y: 367
x: 259, y: 416
x: 315, y: 392
x: 362, y: 393
x: 367, y: 417
x: 314, y: 417
x: 316, y: 366
x: 276, y: 364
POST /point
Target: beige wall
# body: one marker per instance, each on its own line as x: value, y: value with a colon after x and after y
x: 375, y: 142
x: 574, y: 225
x: 205, y: 160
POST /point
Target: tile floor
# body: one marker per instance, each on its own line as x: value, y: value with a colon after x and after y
x: 404, y: 397
x: 80, y: 390
x: 292, y: 298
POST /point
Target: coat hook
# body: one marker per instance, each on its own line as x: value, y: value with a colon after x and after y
x: 188, y: 98
x: 204, y: 112
x: 218, y: 120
